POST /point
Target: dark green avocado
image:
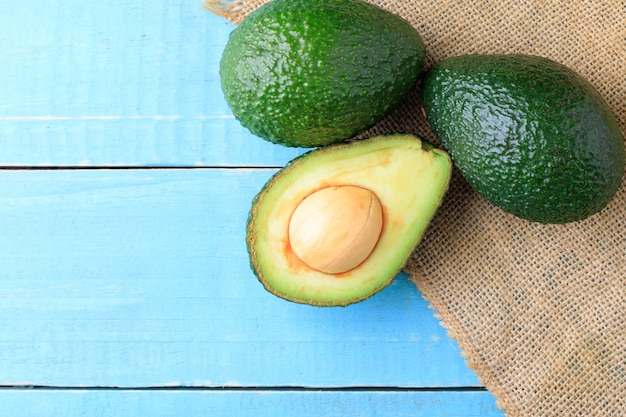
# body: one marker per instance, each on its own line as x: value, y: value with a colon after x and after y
x: 529, y: 134
x: 308, y: 73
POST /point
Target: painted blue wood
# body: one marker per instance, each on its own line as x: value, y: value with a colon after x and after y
x: 87, y: 83
x: 167, y: 403
x: 140, y: 278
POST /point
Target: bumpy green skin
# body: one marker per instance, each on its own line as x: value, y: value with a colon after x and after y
x: 528, y: 134
x: 309, y: 73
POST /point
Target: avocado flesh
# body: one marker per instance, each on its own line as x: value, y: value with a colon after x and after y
x: 409, y: 177
x: 307, y: 73
x: 530, y: 135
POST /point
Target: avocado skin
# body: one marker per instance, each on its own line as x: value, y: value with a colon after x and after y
x: 308, y: 73
x: 529, y: 134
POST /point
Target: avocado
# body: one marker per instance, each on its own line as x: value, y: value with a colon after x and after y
x: 337, y: 224
x: 308, y: 73
x: 529, y: 134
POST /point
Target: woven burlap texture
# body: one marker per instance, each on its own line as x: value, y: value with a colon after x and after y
x: 538, y: 310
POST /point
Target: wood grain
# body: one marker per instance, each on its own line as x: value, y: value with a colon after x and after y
x: 162, y: 403
x: 129, y: 271
x: 140, y: 278
x: 119, y: 84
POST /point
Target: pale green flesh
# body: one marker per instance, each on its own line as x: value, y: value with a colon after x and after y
x: 408, y: 178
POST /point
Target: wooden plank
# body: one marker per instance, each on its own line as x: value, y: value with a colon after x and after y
x: 137, y: 278
x: 112, y: 83
x: 121, y: 141
x: 156, y: 403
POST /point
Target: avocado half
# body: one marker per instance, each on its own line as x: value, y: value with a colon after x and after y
x: 408, y: 176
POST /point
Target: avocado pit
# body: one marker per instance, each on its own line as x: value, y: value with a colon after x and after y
x: 335, y: 229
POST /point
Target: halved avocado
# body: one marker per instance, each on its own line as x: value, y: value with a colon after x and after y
x: 407, y: 176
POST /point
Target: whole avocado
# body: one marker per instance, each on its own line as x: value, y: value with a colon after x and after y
x: 529, y: 134
x: 309, y: 73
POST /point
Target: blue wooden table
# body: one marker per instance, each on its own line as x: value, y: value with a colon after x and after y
x: 125, y: 289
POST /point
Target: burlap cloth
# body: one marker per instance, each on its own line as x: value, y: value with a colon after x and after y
x: 538, y: 310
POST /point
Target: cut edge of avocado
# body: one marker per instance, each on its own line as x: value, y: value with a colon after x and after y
x: 410, y: 178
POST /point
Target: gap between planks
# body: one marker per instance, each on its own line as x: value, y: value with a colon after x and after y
x: 247, y: 388
x: 131, y: 167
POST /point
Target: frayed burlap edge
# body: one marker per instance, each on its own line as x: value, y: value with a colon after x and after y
x: 233, y: 11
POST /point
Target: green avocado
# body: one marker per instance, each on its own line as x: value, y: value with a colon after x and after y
x: 405, y: 175
x: 308, y: 73
x: 529, y: 134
